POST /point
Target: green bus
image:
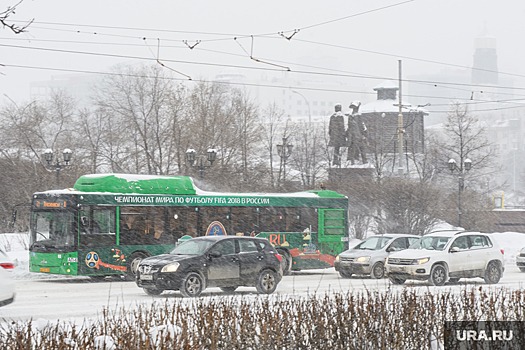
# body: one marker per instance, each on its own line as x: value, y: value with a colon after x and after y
x: 107, y: 223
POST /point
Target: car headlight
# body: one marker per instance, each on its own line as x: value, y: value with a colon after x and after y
x: 363, y: 259
x: 337, y: 258
x: 421, y: 261
x: 170, y: 267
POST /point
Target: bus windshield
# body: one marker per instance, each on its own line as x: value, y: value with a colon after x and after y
x: 53, y: 229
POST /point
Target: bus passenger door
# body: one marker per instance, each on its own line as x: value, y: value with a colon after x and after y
x: 97, y: 251
x: 332, y: 234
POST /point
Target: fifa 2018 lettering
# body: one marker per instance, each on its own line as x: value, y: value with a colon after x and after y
x: 494, y: 335
x: 277, y: 239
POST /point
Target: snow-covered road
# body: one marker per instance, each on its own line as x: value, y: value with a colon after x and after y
x: 79, y: 298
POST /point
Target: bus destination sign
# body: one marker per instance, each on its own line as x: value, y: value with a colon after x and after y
x: 46, y: 204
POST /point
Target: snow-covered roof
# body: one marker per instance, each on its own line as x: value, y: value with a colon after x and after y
x: 130, y: 177
x: 387, y: 84
x: 389, y: 106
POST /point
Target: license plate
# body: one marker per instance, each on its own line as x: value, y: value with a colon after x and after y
x: 45, y: 269
x: 146, y: 277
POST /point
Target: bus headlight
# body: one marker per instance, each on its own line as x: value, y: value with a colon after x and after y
x: 170, y: 267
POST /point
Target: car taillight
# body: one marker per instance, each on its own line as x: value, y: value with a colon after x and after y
x: 502, y: 251
x: 279, y: 257
x: 7, y: 266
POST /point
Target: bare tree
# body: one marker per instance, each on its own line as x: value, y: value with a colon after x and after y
x: 408, y: 206
x: 138, y: 100
x: 4, y: 19
x: 245, y: 119
x: 273, y: 116
x: 466, y: 142
x: 308, y: 153
x: 25, y: 132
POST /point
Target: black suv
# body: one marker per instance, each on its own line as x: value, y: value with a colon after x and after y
x: 227, y: 262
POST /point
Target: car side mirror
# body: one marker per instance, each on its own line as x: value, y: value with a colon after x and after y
x: 215, y: 254
x: 454, y: 249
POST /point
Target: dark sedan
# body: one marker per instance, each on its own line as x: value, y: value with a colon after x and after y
x: 226, y: 262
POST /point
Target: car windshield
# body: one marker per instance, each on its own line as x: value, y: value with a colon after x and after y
x: 430, y: 243
x: 192, y: 247
x: 373, y: 243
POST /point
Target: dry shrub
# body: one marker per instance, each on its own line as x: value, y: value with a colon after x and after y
x: 405, y: 319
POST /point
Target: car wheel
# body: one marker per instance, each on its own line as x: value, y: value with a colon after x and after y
x: 492, y: 273
x: 453, y: 279
x: 192, y: 285
x: 266, y: 282
x: 133, y: 264
x: 345, y: 274
x: 228, y: 289
x: 287, y: 261
x: 438, y: 275
x: 378, y: 270
x: 522, y: 269
x: 397, y: 280
x: 152, y: 291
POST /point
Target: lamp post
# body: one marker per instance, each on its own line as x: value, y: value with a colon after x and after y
x: 465, y: 166
x: 284, y: 151
x: 199, y: 162
x: 57, y: 166
x: 307, y: 104
x: 308, y: 156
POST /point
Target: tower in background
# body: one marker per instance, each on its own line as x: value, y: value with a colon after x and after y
x: 485, y: 65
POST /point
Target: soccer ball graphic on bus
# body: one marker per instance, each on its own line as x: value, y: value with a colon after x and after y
x: 92, y: 260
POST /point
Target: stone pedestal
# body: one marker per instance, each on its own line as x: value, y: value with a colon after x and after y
x: 341, y: 175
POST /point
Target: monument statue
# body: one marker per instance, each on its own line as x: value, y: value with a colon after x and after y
x: 336, y: 131
x: 357, y: 135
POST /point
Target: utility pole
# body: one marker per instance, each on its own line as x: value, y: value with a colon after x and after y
x: 400, y: 129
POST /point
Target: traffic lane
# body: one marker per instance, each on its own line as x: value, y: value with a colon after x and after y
x: 78, y: 298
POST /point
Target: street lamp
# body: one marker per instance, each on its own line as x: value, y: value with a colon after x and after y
x: 57, y: 166
x: 308, y: 161
x: 461, y: 169
x: 307, y: 104
x: 199, y: 162
x: 284, y: 151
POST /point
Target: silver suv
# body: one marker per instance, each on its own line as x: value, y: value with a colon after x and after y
x: 448, y: 256
x: 368, y: 257
x: 520, y: 260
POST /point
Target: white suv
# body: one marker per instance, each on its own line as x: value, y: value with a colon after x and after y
x: 447, y: 256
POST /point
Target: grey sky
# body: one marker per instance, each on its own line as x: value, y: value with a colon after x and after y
x: 442, y: 31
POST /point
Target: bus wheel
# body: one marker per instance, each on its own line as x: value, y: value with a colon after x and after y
x: 133, y: 264
x: 287, y: 261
